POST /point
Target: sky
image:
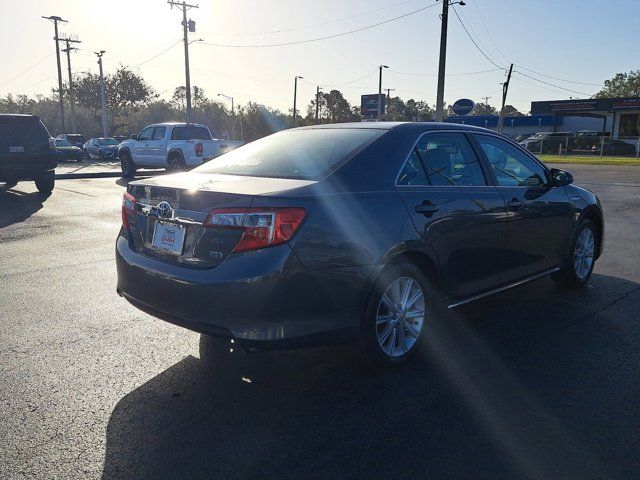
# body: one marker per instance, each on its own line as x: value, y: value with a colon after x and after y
x: 584, y: 41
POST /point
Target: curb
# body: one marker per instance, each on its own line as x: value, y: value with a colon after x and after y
x: 70, y: 176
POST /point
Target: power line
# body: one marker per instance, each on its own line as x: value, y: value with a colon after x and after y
x: 306, y: 27
x: 326, y: 37
x: 342, y: 84
x: 157, y: 54
x: 537, y: 85
x: 560, y: 79
x: 448, y: 74
x: 27, y: 69
x: 486, y: 29
x: 474, y: 42
x: 551, y: 84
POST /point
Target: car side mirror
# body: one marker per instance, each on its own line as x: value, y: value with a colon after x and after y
x: 134, y: 136
x: 560, y: 178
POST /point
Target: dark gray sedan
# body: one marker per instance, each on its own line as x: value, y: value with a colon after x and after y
x: 356, y: 232
x: 102, y: 148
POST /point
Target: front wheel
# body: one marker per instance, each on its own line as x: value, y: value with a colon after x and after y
x: 45, y: 183
x: 397, y: 308
x: 582, y: 258
x: 127, y: 166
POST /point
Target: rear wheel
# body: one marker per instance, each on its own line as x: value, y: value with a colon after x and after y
x: 582, y: 258
x: 45, y: 183
x: 127, y: 165
x: 176, y: 163
x: 393, y: 322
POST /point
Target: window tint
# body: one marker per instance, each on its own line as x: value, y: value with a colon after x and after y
x: 159, y: 132
x: 146, y: 134
x: 511, y: 166
x: 190, y: 133
x: 16, y: 131
x: 412, y: 173
x: 449, y: 160
x: 304, y: 154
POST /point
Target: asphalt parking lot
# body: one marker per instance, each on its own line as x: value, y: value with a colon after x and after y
x: 535, y: 383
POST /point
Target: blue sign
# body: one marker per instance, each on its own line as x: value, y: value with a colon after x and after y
x: 463, y: 106
x: 369, y: 105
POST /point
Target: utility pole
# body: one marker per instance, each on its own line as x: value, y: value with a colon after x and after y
x: 103, y: 100
x: 187, y: 27
x: 505, y: 89
x: 486, y: 100
x: 55, y: 21
x: 389, y: 90
x: 233, y: 114
x: 317, y: 101
x: 443, y: 57
x: 295, y: 95
x: 68, y: 41
x: 380, y: 92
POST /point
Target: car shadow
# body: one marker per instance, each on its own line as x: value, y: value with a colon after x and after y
x: 16, y: 206
x: 526, y: 385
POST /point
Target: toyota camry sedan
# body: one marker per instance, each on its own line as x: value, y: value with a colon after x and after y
x: 351, y: 232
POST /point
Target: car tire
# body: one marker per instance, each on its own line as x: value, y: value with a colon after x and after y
x: 392, y: 325
x: 581, y: 258
x: 216, y: 352
x: 127, y: 166
x: 176, y: 163
x: 45, y: 183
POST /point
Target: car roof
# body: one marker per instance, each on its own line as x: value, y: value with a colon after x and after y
x: 176, y: 124
x: 417, y: 126
x: 18, y: 115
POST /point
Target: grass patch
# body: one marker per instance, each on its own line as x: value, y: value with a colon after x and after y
x: 590, y: 160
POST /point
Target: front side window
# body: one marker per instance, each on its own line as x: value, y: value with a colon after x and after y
x: 449, y: 160
x: 146, y: 134
x: 512, y: 167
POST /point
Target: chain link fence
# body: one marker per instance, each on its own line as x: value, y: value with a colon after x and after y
x: 563, y: 144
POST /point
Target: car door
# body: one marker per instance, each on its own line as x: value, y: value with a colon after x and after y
x: 94, y: 148
x: 140, y: 149
x: 460, y: 216
x: 157, y: 151
x: 540, y: 216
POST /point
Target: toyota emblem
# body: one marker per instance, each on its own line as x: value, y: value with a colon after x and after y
x: 164, y: 210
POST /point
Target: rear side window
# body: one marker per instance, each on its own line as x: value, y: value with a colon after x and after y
x: 449, y: 159
x: 412, y: 173
x: 303, y: 154
x: 17, y: 131
x: 190, y: 133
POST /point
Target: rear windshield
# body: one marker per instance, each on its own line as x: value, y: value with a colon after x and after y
x: 108, y: 141
x: 303, y: 154
x: 22, y: 131
x: 76, y: 138
x: 63, y: 143
x: 190, y: 133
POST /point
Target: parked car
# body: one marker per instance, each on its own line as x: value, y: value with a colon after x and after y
x: 25, y: 152
x: 64, y: 151
x: 121, y: 138
x: 284, y: 242
x: 522, y: 137
x: 547, y: 142
x: 586, y: 139
x: 615, y: 147
x: 174, y: 146
x: 101, y: 148
x: 75, y: 139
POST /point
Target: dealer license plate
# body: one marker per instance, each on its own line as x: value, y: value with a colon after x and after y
x: 168, y: 237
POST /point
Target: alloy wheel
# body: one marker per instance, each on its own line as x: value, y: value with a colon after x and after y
x: 584, y: 253
x: 400, y: 316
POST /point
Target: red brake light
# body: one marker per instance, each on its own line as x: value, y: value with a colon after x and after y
x: 261, y: 227
x: 199, y: 149
x: 128, y: 205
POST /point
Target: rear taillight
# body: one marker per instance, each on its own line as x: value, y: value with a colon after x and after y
x: 128, y: 206
x: 261, y: 227
x: 199, y: 149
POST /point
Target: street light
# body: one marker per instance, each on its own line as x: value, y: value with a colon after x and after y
x: 380, y: 92
x: 295, y: 94
x: 233, y: 113
x: 443, y: 57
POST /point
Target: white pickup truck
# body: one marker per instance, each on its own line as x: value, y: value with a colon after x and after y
x: 173, y: 146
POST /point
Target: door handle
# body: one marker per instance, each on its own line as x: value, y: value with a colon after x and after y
x: 514, y: 204
x: 427, y: 209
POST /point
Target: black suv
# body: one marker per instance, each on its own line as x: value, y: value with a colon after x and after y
x: 25, y: 152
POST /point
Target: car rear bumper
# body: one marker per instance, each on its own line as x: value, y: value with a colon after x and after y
x: 261, y: 298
